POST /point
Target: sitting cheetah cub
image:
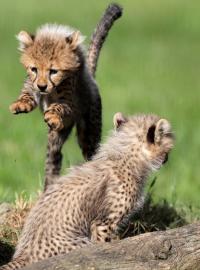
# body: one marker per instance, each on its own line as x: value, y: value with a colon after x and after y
x: 87, y: 205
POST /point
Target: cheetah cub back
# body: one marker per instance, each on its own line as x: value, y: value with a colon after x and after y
x: 87, y: 205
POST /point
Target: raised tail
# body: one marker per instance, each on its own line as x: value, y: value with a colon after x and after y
x: 112, y: 13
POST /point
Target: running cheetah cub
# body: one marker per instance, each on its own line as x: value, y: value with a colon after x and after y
x: 87, y: 205
x: 61, y: 82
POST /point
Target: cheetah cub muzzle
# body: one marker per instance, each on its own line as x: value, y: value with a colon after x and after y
x: 88, y: 204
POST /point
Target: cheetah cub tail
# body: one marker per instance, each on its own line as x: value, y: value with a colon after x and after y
x: 112, y: 13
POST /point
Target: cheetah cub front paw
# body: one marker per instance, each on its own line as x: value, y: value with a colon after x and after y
x: 53, y: 120
x: 20, y: 107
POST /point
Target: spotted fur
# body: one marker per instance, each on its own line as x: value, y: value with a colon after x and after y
x: 87, y: 205
x: 61, y: 82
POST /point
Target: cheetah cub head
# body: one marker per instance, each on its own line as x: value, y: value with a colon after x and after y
x: 150, y: 137
x: 50, y: 55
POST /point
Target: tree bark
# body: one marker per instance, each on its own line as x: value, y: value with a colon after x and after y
x: 172, y: 249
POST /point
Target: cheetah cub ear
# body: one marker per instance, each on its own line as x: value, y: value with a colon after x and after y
x: 162, y: 129
x: 118, y: 120
x: 74, y: 39
x: 25, y: 40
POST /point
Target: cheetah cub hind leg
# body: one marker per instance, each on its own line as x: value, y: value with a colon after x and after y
x: 56, y: 139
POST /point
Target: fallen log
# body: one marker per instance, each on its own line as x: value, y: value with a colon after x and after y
x: 172, y: 249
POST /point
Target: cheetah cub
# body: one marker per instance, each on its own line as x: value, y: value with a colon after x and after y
x: 61, y: 82
x: 87, y: 205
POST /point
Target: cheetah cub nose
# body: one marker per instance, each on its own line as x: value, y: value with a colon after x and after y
x: 42, y: 87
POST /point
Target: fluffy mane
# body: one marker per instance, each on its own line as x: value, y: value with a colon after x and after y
x: 57, y: 31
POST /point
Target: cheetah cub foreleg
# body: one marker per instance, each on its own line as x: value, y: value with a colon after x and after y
x: 24, y: 104
x: 56, y: 114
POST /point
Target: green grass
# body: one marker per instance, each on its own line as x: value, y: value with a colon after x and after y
x: 149, y: 63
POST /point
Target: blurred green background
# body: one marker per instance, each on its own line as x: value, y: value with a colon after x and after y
x: 149, y: 63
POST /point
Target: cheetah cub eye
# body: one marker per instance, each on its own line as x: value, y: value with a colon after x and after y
x: 53, y: 71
